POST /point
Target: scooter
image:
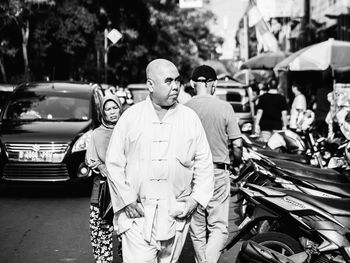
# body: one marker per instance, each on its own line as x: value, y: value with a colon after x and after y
x: 262, y: 171
x: 294, y: 170
x: 293, y: 227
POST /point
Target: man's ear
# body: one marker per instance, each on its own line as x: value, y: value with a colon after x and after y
x: 150, y: 85
x: 214, y: 87
x: 192, y: 83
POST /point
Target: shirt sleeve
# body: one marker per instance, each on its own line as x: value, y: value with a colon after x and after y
x: 91, y: 156
x: 203, y: 178
x: 122, y: 194
x: 260, y: 103
x: 233, y: 129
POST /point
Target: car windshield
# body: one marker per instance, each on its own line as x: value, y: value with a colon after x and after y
x: 47, y: 107
x: 3, y: 96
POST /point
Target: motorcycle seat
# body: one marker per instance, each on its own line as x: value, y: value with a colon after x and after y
x: 333, y: 206
x: 300, y: 158
x: 307, y: 171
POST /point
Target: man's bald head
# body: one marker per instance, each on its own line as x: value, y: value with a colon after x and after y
x: 163, y: 80
x: 157, y: 66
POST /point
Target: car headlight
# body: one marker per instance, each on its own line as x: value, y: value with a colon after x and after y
x: 82, y: 143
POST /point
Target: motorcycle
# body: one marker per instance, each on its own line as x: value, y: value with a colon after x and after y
x: 293, y: 227
x: 255, y: 162
x: 262, y: 171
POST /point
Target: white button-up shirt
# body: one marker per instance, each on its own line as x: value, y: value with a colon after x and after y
x: 155, y: 163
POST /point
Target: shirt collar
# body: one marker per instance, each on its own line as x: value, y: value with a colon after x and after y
x: 203, y: 96
x: 154, y: 117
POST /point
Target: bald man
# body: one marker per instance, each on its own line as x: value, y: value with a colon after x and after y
x: 160, y: 169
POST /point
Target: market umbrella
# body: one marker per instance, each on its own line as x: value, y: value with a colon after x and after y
x: 331, y: 53
x: 264, y: 60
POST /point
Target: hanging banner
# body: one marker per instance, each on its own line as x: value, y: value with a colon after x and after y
x: 267, y: 41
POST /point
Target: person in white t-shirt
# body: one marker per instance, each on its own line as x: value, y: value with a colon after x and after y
x: 298, y: 106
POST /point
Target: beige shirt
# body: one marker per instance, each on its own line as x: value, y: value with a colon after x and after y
x: 156, y: 162
x: 220, y: 124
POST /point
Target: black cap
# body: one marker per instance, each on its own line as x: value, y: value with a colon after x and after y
x: 204, y: 73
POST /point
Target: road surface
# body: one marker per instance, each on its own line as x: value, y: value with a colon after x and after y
x: 49, y: 223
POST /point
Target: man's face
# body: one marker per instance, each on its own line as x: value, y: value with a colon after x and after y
x: 166, y: 86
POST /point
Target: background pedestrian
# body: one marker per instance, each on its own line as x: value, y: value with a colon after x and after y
x: 209, y: 225
x: 101, y: 228
x: 271, y: 114
x: 298, y: 106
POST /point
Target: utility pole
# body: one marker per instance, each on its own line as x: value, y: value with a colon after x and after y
x: 305, y: 22
x: 105, y: 55
x: 246, y: 37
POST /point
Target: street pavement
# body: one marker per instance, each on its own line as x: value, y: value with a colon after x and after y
x: 50, y: 223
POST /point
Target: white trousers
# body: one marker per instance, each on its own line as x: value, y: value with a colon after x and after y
x: 138, y: 250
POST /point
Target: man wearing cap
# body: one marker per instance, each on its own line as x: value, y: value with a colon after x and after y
x: 224, y: 137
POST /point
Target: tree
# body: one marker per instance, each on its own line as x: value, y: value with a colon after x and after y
x: 5, y: 47
x: 5, y: 51
x: 19, y: 13
x: 64, y: 39
x: 184, y: 36
x: 152, y: 30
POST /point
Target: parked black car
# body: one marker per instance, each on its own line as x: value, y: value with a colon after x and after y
x: 45, y: 128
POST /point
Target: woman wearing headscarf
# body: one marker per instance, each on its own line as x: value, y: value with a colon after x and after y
x: 101, y: 229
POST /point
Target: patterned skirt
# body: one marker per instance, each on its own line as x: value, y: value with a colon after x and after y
x: 101, y: 235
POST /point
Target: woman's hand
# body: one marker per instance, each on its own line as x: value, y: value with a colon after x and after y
x: 94, y: 164
x: 134, y: 210
x: 103, y: 170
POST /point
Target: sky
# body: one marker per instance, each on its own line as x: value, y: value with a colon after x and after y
x: 228, y: 13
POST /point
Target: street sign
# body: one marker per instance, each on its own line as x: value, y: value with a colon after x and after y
x: 190, y: 3
x: 114, y: 35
